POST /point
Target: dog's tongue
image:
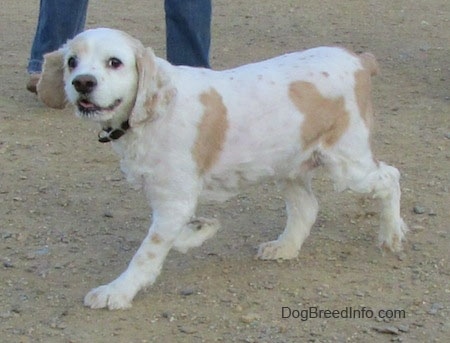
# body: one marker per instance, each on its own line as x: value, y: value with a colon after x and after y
x: 86, y: 104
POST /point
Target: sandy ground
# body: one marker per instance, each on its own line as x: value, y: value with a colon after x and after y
x: 69, y: 222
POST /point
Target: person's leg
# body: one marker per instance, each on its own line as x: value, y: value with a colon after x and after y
x: 59, y: 20
x: 188, y: 32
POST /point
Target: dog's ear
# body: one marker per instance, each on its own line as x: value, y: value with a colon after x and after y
x: 50, y: 87
x: 153, y: 92
x: 146, y: 88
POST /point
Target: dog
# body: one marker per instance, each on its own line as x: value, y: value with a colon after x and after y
x: 186, y: 133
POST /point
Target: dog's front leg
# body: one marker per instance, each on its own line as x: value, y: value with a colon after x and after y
x: 146, y: 264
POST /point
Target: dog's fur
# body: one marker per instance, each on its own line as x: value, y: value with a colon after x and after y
x: 198, y: 132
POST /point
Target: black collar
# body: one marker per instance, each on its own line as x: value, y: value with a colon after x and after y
x: 109, y: 134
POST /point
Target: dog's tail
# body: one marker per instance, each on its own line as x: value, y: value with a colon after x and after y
x: 369, y: 63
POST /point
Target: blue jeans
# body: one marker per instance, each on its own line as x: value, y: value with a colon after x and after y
x: 59, y: 20
x: 188, y: 26
x: 188, y: 32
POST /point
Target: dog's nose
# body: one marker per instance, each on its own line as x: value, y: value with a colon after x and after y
x: 84, y: 84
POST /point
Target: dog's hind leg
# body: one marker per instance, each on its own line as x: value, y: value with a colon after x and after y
x: 363, y: 174
x: 302, y: 208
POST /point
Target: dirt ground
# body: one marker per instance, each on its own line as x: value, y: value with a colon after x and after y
x: 69, y: 222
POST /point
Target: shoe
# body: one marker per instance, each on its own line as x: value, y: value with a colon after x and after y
x: 32, y: 82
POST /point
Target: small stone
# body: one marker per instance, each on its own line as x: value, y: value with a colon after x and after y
x: 61, y: 326
x: 169, y: 316
x: 401, y: 256
x: 7, y: 235
x: 403, y: 328
x: 108, y: 214
x: 435, y: 308
x: 447, y: 135
x: 416, y: 247
x: 418, y: 209
x: 392, y: 330
x: 5, y: 315
x: 269, y: 286
x: 282, y: 329
x: 17, y: 310
x: 187, y: 330
x: 249, y: 318
x: 187, y: 291
x: 41, y: 252
x: 7, y: 264
x: 424, y: 25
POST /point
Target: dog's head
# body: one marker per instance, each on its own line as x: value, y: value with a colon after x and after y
x: 106, y: 74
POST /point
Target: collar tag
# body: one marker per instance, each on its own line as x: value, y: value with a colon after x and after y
x: 108, y: 134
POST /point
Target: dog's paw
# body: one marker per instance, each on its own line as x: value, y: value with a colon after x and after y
x: 109, y: 296
x: 195, y: 233
x: 392, y: 239
x: 276, y: 250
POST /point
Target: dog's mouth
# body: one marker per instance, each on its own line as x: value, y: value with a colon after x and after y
x: 89, y: 109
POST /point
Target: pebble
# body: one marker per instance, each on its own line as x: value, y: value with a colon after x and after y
x: 42, y: 251
x: 249, y: 318
x: 401, y: 256
x: 7, y: 235
x: 435, y: 308
x: 403, y: 328
x: 5, y: 315
x: 392, y: 330
x: 187, y: 329
x: 187, y: 291
x: 419, y: 209
x: 168, y: 316
x: 108, y: 214
x: 58, y: 325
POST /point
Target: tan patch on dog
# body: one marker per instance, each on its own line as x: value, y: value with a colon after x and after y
x: 325, y: 119
x: 143, y: 259
x: 211, y: 131
x: 363, y: 87
x: 156, y: 238
x: 363, y: 96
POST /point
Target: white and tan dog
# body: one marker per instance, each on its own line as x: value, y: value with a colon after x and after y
x: 184, y: 133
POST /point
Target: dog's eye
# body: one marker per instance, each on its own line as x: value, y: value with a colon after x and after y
x: 72, y: 62
x: 114, y: 63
